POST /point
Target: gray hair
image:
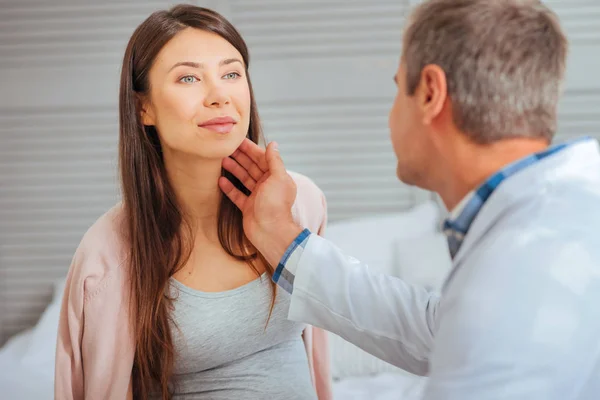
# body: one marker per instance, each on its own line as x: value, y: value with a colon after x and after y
x: 504, y: 62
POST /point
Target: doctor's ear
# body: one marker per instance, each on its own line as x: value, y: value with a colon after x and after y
x: 146, y: 111
x: 432, y: 91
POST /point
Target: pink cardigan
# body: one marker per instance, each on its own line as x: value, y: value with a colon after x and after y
x: 95, y: 349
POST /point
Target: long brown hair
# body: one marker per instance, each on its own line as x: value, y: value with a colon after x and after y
x: 159, y: 235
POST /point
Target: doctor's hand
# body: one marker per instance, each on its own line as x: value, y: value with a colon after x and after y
x: 267, y: 212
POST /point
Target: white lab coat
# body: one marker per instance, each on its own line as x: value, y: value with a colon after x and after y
x: 519, y: 315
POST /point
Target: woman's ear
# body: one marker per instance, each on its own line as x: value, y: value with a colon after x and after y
x: 147, y: 115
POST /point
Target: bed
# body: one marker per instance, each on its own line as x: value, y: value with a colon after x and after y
x: 405, y: 244
x: 18, y: 380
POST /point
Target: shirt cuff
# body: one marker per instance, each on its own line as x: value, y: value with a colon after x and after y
x: 286, y: 269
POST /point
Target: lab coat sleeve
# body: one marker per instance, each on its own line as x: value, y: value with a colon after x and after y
x: 383, y: 315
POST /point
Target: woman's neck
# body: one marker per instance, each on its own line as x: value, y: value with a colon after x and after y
x: 195, y: 182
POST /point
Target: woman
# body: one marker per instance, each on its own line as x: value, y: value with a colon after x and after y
x: 165, y: 296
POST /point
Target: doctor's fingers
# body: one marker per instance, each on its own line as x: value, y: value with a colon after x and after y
x: 248, y: 164
x: 241, y: 173
x: 255, y: 153
x: 235, y: 195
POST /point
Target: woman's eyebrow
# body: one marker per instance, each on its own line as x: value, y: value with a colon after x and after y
x: 193, y: 64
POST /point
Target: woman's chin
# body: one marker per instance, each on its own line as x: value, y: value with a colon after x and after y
x: 220, y: 149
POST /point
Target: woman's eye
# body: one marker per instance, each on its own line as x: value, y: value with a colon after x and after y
x: 188, y: 79
x: 232, y: 75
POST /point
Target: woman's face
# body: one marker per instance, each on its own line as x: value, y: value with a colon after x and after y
x: 199, y: 99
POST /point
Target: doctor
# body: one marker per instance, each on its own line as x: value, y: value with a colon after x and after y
x: 519, y: 315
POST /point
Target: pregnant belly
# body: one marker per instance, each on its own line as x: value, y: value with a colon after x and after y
x: 278, y: 373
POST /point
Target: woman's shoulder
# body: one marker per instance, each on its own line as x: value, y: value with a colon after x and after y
x: 310, y: 208
x: 101, y: 251
x: 107, y: 233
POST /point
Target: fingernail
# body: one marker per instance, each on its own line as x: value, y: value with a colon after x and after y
x: 275, y: 146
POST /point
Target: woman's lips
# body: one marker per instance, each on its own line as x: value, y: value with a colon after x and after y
x: 219, y: 125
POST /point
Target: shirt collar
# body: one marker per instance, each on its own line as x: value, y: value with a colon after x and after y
x: 463, y: 215
x: 461, y: 205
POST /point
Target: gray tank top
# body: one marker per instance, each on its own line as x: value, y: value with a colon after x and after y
x: 224, y: 350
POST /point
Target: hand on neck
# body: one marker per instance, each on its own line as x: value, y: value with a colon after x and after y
x: 468, y: 164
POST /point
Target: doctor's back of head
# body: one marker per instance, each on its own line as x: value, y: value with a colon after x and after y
x: 478, y: 84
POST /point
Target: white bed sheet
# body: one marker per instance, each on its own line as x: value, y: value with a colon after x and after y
x: 19, y: 381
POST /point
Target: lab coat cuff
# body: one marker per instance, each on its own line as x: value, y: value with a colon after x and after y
x: 286, y: 269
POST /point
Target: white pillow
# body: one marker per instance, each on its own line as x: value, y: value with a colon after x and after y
x: 40, y: 354
x: 423, y: 260
x: 42, y: 348
x: 349, y: 361
x: 372, y: 241
x: 58, y: 289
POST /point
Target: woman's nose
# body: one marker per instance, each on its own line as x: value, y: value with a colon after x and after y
x: 217, y: 96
